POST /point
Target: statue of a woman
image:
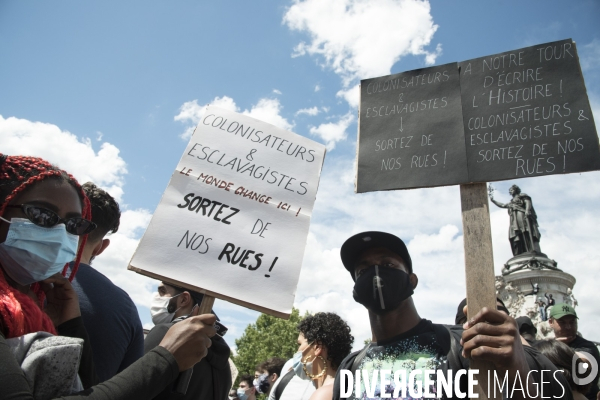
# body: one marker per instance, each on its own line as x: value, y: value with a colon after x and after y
x: 523, y: 233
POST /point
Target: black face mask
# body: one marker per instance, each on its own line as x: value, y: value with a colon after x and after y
x: 382, y: 289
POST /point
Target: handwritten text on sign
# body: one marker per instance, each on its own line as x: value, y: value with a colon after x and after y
x: 526, y: 113
x: 235, y: 216
x: 411, y: 130
x: 511, y: 115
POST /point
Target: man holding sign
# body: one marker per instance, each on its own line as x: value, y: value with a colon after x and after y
x: 406, y: 348
x: 211, y: 378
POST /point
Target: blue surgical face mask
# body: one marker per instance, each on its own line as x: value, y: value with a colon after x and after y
x: 297, y: 364
x: 242, y: 394
x: 33, y: 253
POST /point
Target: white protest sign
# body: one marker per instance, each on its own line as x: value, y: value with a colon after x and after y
x: 234, y: 218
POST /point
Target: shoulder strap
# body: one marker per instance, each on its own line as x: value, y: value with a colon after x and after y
x: 359, y: 357
x: 283, y: 383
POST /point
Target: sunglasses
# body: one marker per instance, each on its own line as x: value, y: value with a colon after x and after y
x: 45, y: 218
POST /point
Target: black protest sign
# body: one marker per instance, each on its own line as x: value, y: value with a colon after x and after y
x: 520, y: 113
x: 526, y: 113
x: 411, y: 131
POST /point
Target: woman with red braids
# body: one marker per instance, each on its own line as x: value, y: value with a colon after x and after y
x: 44, y: 221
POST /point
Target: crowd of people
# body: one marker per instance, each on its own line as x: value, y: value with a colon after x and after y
x: 66, y: 331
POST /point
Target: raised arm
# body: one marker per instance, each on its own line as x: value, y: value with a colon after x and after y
x: 501, y: 205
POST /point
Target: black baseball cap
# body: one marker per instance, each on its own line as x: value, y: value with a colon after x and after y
x: 525, y: 325
x: 360, y: 242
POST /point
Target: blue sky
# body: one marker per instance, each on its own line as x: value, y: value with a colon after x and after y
x: 107, y: 89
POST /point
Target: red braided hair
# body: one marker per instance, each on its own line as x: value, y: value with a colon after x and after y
x: 19, y: 314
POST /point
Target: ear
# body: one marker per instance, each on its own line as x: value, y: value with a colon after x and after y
x: 186, y: 299
x: 318, y: 349
x: 414, y: 280
x: 100, y: 247
x: 274, y: 377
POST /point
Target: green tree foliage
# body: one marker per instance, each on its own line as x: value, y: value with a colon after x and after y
x: 268, y: 337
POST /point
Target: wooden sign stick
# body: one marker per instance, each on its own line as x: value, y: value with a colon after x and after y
x: 207, y: 304
x: 479, y: 266
x: 184, y: 377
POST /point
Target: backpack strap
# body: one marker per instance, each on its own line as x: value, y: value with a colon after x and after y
x: 283, y: 383
x: 359, y: 357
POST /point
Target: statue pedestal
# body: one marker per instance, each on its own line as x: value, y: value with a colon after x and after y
x: 517, y: 288
x: 531, y: 261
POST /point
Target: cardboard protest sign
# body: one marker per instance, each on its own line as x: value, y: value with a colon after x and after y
x: 526, y: 113
x: 234, y: 218
x: 411, y: 130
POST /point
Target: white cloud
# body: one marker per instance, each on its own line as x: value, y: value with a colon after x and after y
x: 360, y: 39
x: 351, y: 95
x: 267, y: 110
x: 99, y: 136
x: 276, y: 91
x: 317, y: 88
x: 333, y: 132
x: 192, y: 112
x: 104, y: 167
x: 308, y: 111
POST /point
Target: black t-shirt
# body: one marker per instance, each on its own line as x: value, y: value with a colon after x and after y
x: 435, y: 347
x: 581, y: 344
x: 416, y: 349
x: 424, y: 347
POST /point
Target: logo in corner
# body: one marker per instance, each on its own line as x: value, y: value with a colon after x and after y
x: 584, y: 368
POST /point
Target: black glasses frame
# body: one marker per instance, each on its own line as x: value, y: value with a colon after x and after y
x: 75, y: 226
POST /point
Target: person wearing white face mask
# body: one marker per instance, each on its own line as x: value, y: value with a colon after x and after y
x: 323, y: 342
x: 211, y: 377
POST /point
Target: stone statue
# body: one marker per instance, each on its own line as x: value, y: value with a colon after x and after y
x: 523, y: 232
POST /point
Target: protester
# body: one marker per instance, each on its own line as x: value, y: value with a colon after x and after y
x: 324, y: 341
x: 562, y: 356
x: 384, y: 283
x: 43, y: 212
x: 109, y: 315
x: 550, y: 302
x: 563, y: 321
x: 246, y: 389
x: 269, y: 371
x: 527, y: 329
x: 289, y: 386
x: 211, y: 377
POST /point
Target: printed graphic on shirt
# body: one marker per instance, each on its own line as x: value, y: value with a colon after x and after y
x: 408, y: 355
